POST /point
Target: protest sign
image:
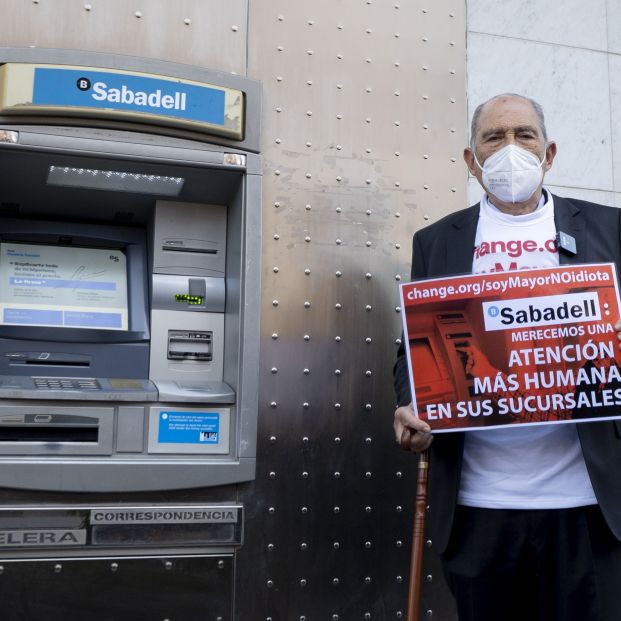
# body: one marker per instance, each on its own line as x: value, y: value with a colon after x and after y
x: 533, y: 346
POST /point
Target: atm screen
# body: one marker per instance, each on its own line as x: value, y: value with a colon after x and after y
x: 63, y: 286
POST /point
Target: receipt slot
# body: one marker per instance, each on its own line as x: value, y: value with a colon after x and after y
x: 129, y: 276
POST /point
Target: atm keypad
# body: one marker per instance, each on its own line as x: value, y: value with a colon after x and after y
x: 64, y: 383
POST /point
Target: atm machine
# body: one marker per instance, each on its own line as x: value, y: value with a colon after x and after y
x: 129, y: 331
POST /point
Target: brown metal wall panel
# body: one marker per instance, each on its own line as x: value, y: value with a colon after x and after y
x: 364, y: 125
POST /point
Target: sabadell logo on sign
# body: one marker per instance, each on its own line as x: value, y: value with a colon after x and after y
x: 124, y: 95
x: 541, y: 311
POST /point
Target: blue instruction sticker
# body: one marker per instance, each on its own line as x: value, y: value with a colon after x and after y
x: 188, y: 427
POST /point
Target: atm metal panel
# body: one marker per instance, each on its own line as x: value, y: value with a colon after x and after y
x: 183, y: 588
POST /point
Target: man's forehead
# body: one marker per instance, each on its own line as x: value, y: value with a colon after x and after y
x: 508, y: 112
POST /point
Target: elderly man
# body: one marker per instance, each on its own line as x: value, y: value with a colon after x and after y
x: 527, y: 520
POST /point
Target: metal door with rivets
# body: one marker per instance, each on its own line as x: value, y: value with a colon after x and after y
x: 364, y: 121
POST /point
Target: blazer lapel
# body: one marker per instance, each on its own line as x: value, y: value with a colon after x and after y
x: 568, y: 219
x: 460, y: 238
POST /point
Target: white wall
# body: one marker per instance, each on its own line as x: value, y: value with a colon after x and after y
x: 567, y: 56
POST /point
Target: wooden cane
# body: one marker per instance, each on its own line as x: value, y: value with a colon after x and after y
x: 418, y: 538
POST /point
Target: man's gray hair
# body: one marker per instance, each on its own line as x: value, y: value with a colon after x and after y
x: 477, y: 114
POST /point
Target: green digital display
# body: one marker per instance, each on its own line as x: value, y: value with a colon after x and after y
x: 192, y: 300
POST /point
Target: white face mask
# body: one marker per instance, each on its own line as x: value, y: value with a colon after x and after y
x: 512, y: 174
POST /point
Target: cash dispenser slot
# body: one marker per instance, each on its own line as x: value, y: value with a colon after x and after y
x: 49, y: 433
x: 55, y: 430
x: 186, y: 345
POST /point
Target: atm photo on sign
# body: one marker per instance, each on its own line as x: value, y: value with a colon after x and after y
x: 526, y: 347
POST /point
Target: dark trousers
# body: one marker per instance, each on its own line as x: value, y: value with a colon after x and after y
x: 534, y: 565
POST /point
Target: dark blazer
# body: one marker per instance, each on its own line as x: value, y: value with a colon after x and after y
x: 446, y: 248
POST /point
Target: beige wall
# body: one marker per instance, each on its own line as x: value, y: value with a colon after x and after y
x: 566, y: 55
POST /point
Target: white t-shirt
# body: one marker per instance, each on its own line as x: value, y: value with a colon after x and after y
x: 538, y: 467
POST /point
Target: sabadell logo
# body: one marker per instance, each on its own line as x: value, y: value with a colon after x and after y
x: 541, y: 311
x: 125, y: 95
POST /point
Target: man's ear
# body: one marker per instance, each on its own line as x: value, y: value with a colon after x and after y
x: 469, y: 159
x: 550, y: 155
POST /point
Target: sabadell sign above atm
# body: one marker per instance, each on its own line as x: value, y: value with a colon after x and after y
x: 140, y: 97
